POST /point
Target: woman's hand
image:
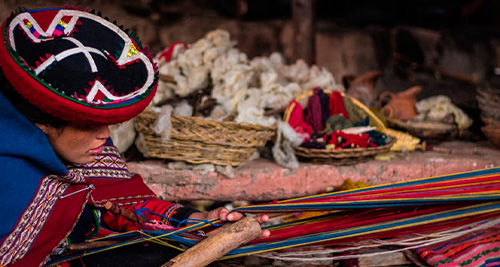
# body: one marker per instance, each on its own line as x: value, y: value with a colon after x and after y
x: 224, y: 215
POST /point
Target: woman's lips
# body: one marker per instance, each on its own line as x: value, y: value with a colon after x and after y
x: 96, y: 151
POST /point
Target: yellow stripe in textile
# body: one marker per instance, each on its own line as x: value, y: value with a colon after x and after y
x: 433, y: 188
x: 395, y: 184
x: 437, y: 187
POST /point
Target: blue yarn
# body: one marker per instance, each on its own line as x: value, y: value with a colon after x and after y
x: 143, y: 211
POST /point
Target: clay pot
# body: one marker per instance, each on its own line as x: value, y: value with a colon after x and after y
x: 401, y: 105
x: 363, y: 87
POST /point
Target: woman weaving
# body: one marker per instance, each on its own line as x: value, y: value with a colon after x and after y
x: 67, y: 75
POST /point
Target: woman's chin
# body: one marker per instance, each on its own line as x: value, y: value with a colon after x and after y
x: 86, y: 160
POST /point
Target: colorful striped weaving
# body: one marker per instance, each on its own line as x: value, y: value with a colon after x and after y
x: 393, y: 211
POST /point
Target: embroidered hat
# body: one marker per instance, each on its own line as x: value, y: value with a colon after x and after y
x: 76, y: 65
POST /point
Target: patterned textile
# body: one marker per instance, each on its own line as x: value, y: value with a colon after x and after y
x: 26, y: 235
x: 91, y: 67
x: 477, y: 249
x: 108, y: 165
x: 19, y: 182
x: 42, y: 200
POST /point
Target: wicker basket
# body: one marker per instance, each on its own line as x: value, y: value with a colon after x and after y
x: 429, y: 131
x: 347, y: 155
x: 492, y: 132
x: 197, y: 140
x: 342, y: 156
x: 488, y: 99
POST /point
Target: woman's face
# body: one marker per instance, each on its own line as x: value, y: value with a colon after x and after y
x: 77, y: 144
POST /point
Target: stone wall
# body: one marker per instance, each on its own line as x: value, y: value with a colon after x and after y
x: 447, y: 58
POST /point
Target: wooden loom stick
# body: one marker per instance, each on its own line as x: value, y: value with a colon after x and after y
x: 128, y: 214
x: 229, y: 237
x: 92, y: 244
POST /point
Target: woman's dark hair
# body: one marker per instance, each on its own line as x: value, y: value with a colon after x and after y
x: 30, y: 111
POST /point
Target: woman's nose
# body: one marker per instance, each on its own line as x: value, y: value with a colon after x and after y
x: 103, y: 132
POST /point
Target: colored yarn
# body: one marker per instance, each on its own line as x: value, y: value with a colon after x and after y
x: 355, y: 114
x: 324, y: 100
x: 316, y: 141
x: 364, y: 122
x: 376, y: 138
x: 314, y: 116
x: 337, y: 104
x: 296, y: 119
x: 411, y: 213
x: 344, y: 140
x: 337, y: 122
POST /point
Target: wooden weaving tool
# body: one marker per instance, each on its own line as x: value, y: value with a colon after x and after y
x: 228, y: 237
x: 129, y: 215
